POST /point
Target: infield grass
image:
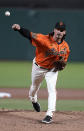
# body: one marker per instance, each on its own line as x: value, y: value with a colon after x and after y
x: 24, y: 104
x: 18, y: 74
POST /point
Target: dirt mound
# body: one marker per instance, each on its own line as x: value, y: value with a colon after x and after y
x: 14, y: 120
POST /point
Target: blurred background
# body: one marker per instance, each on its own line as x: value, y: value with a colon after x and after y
x: 40, y: 16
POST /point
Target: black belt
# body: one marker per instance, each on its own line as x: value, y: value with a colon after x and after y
x: 41, y: 67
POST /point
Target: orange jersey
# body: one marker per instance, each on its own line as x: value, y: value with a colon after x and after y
x: 48, y: 51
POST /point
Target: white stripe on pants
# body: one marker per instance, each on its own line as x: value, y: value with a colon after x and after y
x: 38, y: 75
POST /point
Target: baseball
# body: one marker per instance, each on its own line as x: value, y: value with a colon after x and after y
x: 7, y: 13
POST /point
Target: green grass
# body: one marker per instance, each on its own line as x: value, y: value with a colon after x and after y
x: 18, y: 74
x: 24, y: 104
x: 72, y: 76
x: 15, y: 74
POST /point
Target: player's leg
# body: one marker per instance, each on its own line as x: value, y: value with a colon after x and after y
x: 37, y: 77
x: 51, y: 78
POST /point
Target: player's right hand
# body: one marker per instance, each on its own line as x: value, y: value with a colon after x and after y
x: 16, y: 27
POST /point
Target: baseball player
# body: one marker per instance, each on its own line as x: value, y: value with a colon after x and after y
x: 52, y: 52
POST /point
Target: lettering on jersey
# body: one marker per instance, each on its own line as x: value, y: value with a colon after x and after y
x: 63, y: 51
x: 52, y: 51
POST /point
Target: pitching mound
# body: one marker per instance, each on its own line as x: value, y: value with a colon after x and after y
x: 31, y: 121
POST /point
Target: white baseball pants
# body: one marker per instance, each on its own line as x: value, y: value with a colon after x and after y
x: 38, y: 75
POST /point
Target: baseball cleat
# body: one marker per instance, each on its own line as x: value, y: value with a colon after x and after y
x: 47, y: 119
x: 36, y: 106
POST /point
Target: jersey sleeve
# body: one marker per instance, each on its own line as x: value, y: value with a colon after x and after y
x: 37, y: 39
x: 25, y: 32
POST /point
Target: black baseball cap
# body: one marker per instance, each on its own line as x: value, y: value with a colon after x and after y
x: 60, y: 26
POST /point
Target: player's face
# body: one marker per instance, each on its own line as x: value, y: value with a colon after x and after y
x: 59, y: 34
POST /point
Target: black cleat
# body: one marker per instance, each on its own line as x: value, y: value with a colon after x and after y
x: 47, y: 119
x: 36, y: 106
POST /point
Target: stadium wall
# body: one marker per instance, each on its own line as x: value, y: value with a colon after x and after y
x: 15, y: 47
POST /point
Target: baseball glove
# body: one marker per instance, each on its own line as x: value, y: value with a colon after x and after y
x: 59, y: 65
